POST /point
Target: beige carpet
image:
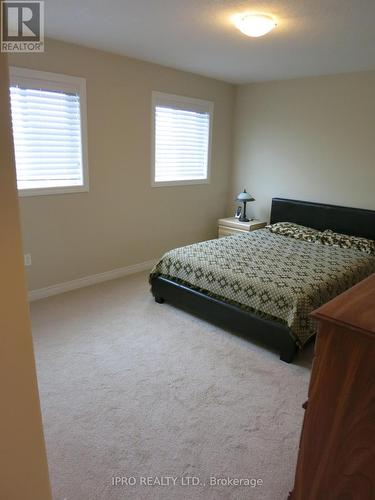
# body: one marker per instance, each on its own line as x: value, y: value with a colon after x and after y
x: 131, y: 388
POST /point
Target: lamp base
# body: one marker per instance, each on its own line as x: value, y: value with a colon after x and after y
x: 243, y: 219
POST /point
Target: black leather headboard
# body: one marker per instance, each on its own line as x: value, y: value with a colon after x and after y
x: 352, y: 221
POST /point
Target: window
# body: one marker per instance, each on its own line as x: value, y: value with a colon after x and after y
x: 49, y: 131
x: 181, y: 140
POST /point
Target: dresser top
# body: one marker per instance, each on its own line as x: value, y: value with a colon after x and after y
x: 354, y: 308
x: 234, y: 222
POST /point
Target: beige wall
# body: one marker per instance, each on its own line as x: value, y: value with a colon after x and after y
x: 23, y: 465
x: 122, y: 220
x: 310, y: 139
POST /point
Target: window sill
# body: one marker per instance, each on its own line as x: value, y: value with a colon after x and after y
x: 23, y: 193
x: 179, y: 183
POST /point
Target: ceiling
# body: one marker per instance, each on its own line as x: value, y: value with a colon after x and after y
x: 313, y: 37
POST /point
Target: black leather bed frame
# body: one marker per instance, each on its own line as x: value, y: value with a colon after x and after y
x: 352, y: 221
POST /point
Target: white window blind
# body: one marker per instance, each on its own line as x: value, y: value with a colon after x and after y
x: 181, y: 139
x: 47, y: 132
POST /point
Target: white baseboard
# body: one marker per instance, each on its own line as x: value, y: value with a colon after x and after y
x: 41, y: 293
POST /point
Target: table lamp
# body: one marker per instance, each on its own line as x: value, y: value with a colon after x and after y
x: 244, y: 197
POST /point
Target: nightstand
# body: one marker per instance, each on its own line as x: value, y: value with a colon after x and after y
x: 231, y: 225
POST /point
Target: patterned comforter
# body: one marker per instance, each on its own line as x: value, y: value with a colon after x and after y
x: 276, y: 277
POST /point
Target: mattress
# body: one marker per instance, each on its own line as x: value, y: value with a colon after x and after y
x: 272, y: 275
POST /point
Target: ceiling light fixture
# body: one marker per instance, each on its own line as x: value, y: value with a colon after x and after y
x: 254, y: 24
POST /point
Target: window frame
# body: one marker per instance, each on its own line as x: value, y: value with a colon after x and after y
x: 35, y: 79
x: 187, y: 103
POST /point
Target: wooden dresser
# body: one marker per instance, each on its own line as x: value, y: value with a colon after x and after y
x: 336, y: 459
x: 231, y: 225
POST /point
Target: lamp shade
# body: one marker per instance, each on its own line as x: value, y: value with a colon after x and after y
x: 244, y: 196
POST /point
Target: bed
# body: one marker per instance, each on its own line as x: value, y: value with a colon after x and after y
x: 264, y: 285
